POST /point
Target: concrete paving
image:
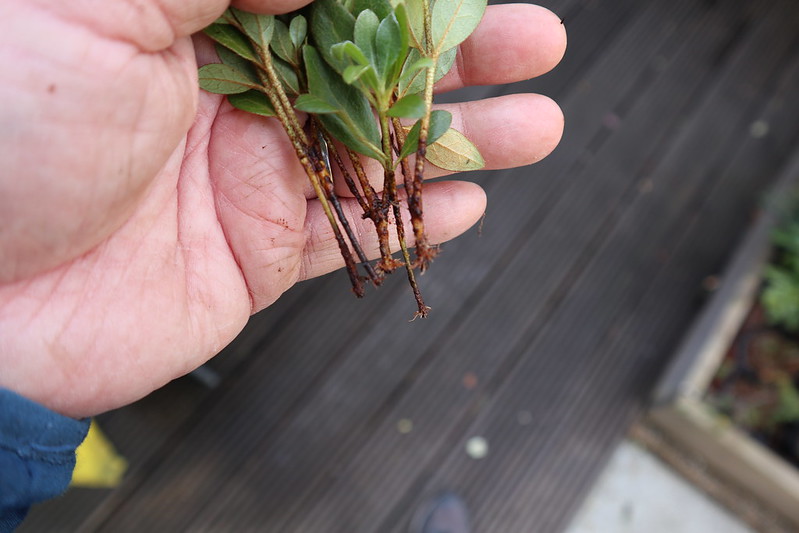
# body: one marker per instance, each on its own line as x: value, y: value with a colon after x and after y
x: 637, y: 493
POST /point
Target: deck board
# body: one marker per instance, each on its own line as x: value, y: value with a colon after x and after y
x: 568, y: 429
x: 560, y: 314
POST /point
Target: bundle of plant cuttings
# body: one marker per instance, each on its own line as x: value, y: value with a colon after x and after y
x: 350, y: 80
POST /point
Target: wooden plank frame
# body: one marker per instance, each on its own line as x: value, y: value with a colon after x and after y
x: 678, y: 410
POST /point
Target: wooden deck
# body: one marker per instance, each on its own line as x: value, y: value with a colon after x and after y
x: 547, y: 330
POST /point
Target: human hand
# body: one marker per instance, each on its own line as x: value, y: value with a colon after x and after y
x: 142, y: 222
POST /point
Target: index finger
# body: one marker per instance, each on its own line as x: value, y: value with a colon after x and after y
x: 513, y: 42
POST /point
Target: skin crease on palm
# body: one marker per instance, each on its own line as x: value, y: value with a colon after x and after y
x: 143, y: 221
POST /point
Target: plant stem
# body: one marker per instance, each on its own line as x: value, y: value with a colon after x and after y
x: 416, y: 220
x: 277, y: 86
x: 378, y: 213
x: 424, y: 253
x: 367, y: 201
x: 348, y: 179
x: 323, y: 173
x: 312, y: 169
x: 390, y: 196
x: 285, y: 114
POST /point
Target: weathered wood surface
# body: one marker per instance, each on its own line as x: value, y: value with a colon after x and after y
x: 547, y: 331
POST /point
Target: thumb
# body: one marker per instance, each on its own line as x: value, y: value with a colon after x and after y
x: 270, y: 6
x: 154, y: 25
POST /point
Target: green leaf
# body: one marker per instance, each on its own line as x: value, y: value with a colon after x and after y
x: 231, y: 38
x: 404, y: 24
x: 342, y: 130
x: 298, y: 30
x: 225, y: 18
x: 282, y: 45
x: 453, y: 151
x: 454, y: 20
x: 331, y: 24
x: 439, y: 124
x: 414, y: 66
x: 287, y: 75
x: 388, y: 45
x: 787, y: 238
x: 381, y: 8
x: 349, y: 49
x: 223, y: 79
x: 313, y: 104
x: 415, y: 12
x: 788, y: 405
x: 259, y: 28
x: 780, y: 298
x: 364, y: 33
x: 412, y: 81
x: 252, y: 101
x: 410, y: 106
x: 411, y: 143
x: 322, y: 82
x: 445, y: 62
x: 228, y: 57
x: 353, y: 72
x: 355, y: 125
x: 361, y: 68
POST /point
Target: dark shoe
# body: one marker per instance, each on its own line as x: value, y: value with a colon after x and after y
x: 446, y: 514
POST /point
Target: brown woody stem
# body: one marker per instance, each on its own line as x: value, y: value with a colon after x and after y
x: 378, y: 212
x: 349, y: 262
x: 390, y: 198
x: 285, y: 114
x: 348, y: 179
x: 326, y: 180
x: 424, y: 253
x: 413, y: 189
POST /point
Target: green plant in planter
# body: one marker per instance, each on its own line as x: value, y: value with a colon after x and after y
x: 356, y: 69
x: 780, y: 298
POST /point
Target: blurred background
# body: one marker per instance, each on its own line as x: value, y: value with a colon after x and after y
x: 550, y: 324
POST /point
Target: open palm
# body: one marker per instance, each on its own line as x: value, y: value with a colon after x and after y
x: 141, y: 223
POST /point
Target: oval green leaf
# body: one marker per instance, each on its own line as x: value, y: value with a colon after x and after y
x: 388, y: 47
x: 225, y: 18
x: 413, y: 77
x: 439, y: 124
x: 415, y: 13
x: 365, y: 29
x: 298, y: 30
x: 453, y: 151
x: 282, y: 45
x: 355, y: 125
x: 454, y: 20
x: 349, y: 49
x: 410, y: 106
x: 254, y: 102
x: 353, y: 72
x: 411, y: 143
x: 231, y: 38
x: 228, y: 57
x: 258, y: 28
x: 404, y: 24
x: 331, y: 24
x: 381, y: 8
x: 310, y: 103
x: 223, y: 79
x: 287, y: 75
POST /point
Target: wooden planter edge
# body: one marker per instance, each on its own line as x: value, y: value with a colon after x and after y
x: 678, y: 410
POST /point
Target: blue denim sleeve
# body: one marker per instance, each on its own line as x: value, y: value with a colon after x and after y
x: 37, y: 455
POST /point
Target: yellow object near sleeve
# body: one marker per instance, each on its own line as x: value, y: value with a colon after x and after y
x: 98, y: 464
